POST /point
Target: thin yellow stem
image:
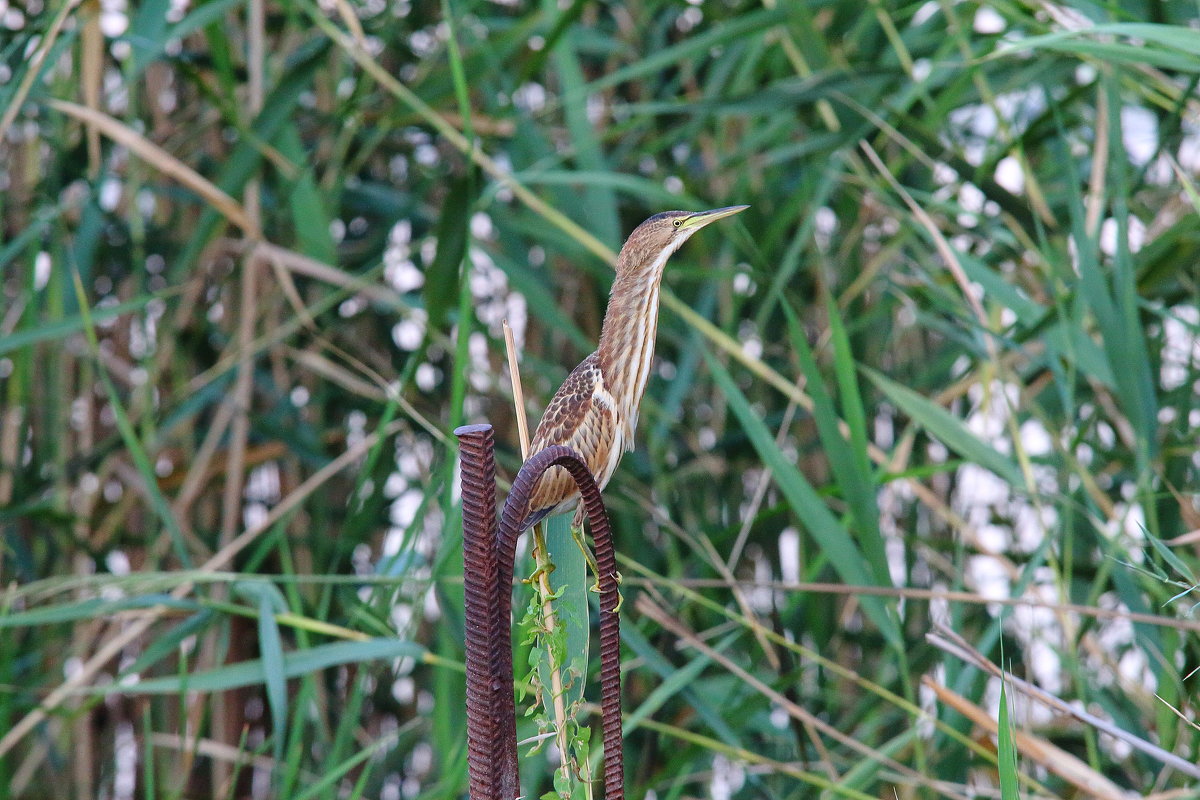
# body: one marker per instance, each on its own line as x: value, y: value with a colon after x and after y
x: 557, y: 705
x: 544, y: 566
x: 514, y: 371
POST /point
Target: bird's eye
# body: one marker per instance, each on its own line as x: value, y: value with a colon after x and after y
x: 677, y: 222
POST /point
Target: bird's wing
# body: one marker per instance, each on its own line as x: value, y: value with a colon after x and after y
x: 570, y: 405
x: 581, y: 416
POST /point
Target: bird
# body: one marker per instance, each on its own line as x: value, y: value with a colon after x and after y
x: 595, y: 411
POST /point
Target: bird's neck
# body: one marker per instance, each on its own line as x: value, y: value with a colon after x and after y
x: 628, y: 334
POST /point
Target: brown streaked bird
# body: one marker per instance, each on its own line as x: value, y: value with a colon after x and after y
x: 595, y: 411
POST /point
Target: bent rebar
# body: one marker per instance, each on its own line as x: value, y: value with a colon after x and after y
x: 489, y: 564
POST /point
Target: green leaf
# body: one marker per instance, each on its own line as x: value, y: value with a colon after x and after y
x: 245, y: 159
x: 149, y: 33
x: 270, y: 644
x: 730, y: 31
x: 707, y: 708
x: 672, y: 685
x: 1007, y: 751
x: 866, y: 771
x: 253, y: 673
x: 569, y: 583
x: 1168, y: 555
x: 60, y: 329
x: 1169, y: 46
x: 129, y: 435
x: 946, y: 428
x: 90, y: 609
x: 847, y: 459
x: 25, y: 238
x: 599, y: 201
x: 835, y: 541
x: 442, y: 274
x: 310, y: 217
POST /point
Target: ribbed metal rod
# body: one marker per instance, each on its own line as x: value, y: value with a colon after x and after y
x: 485, y: 749
x: 516, y: 509
x: 489, y: 553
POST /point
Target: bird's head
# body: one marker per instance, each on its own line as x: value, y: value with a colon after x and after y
x: 653, y: 242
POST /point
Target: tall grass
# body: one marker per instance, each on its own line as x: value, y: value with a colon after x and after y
x: 943, y: 374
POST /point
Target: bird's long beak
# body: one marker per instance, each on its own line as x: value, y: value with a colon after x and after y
x: 702, y: 218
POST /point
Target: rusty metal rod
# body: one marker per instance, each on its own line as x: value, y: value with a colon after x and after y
x: 488, y: 559
x: 485, y: 751
x: 516, y: 509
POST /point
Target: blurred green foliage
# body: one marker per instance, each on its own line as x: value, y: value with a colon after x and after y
x: 952, y: 346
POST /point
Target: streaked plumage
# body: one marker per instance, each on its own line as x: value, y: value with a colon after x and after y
x: 595, y: 411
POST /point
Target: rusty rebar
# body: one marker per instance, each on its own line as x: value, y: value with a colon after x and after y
x: 485, y: 676
x: 516, y: 509
x: 489, y: 553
